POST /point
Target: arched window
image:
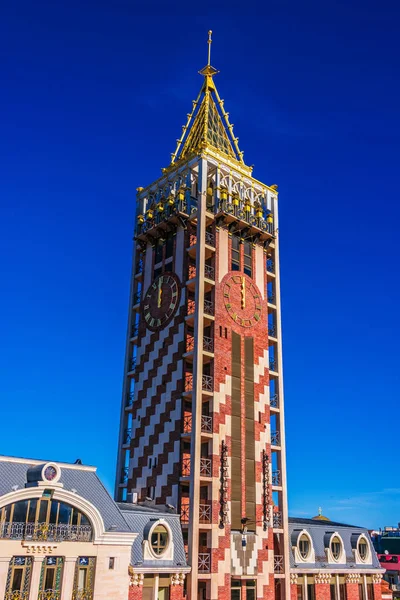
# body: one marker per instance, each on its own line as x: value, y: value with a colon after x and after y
x: 159, y: 540
x: 336, y: 548
x: 304, y: 546
x: 363, y: 548
x: 44, y: 519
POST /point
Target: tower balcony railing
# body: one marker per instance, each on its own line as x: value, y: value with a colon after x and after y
x: 136, y: 298
x: 271, y: 330
x: 45, y: 532
x: 274, y: 401
x: 165, y: 208
x: 207, y: 382
x: 127, y: 436
x: 273, y: 364
x: 188, y: 382
x: 210, y: 239
x: 209, y: 272
x: 132, y: 364
x: 205, y: 467
x: 275, y: 438
x: 130, y: 398
x: 208, y: 307
x: 49, y: 595
x: 139, y: 267
x: 186, y: 466
x: 277, y: 520
x: 208, y: 343
x: 206, y: 423
x: 270, y: 265
x: 124, y: 475
x: 253, y: 214
x: 135, y: 330
x: 192, y: 271
x: 278, y: 564
x: 271, y: 297
x: 276, y: 477
x: 204, y: 511
x: 204, y: 562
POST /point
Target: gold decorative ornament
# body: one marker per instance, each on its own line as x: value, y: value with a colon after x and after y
x: 140, y: 219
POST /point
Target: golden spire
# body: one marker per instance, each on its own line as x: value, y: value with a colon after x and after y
x: 210, y: 127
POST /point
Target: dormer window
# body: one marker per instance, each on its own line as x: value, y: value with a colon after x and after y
x: 159, y: 540
x: 304, y: 547
x: 363, y: 549
x: 336, y: 548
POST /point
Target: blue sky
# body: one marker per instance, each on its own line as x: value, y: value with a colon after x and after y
x: 94, y: 96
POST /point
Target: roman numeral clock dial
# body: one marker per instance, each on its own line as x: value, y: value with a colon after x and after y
x: 242, y: 300
x: 161, y: 301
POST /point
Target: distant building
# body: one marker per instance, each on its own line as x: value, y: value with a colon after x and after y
x: 332, y: 561
x: 387, y: 545
x: 62, y: 537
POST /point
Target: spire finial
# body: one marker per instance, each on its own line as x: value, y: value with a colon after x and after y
x: 319, y: 511
x: 209, y: 42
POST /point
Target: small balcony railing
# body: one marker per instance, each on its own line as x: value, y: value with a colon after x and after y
x: 205, y: 513
x: 136, y: 298
x: 271, y: 330
x: 192, y: 271
x: 192, y: 239
x: 207, y: 383
x: 271, y: 297
x: 244, y: 210
x: 276, y: 477
x: 204, y: 563
x: 274, y: 401
x: 186, y: 466
x: 139, y: 267
x: 49, y: 595
x: 188, y: 382
x: 132, y: 365
x: 124, y: 475
x: 209, y: 272
x: 205, y: 467
x: 275, y: 438
x: 270, y: 266
x: 135, y: 330
x: 130, y: 398
x: 189, y: 343
x: 191, y: 306
x: 208, y: 344
x: 209, y: 307
x: 45, y: 532
x: 210, y: 240
x: 185, y: 513
x: 273, y: 364
x: 83, y: 594
x: 277, y: 520
x: 16, y: 595
x: 127, y: 436
x: 206, y: 423
x: 278, y: 564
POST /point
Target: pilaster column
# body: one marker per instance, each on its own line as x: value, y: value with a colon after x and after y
x: 35, y: 579
x: 322, y: 586
x: 4, y: 564
x: 68, y: 578
x: 156, y: 584
x: 176, y: 587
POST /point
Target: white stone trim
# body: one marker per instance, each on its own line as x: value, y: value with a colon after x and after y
x: 148, y: 552
x: 296, y: 551
x: 329, y: 554
x: 31, y: 461
x: 368, y: 559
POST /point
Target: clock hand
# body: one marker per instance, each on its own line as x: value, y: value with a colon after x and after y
x: 159, y: 293
x: 243, y: 292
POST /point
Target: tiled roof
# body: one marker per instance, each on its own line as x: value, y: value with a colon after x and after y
x: 319, y: 532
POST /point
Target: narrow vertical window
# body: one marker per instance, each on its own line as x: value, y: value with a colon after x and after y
x: 235, y: 253
x: 51, y: 577
x: 248, y: 259
x: 84, y: 577
x: 19, y: 577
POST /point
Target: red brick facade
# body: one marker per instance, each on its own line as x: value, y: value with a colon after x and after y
x: 135, y: 592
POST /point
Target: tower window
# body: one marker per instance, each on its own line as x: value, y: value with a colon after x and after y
x: 248, y: 259
x: 159, y: 252
x: 169, y: 246
x: 235, y: 253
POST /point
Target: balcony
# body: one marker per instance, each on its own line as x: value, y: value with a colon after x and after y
x: 208, y: 343
x: 271, y: 330
x: 273, y: 365
x: 276, y: 478
x: 271, y: 297
x: 278, y: 564
x: 207, y: 382
x: 206, y: 423
x: 275, y: 438
x: 139, y: 268
x: 205, y: 467
x: 129, y: 399
x: 210, y: 238
x: 132, y: 364
x: 250, y: 216
x: 270, y: 265
x: 135, y: 330
x: 204, y: 563
x: 204, y: 512
x: 209, y: 272
x: 274, y: 401
x: 127, y: 436
x: 48, y: 532
x: 277, y: 520
x: 53, y: 595
x: 209, y: 246
x: 136, y: 298
x: 124, y: 475
x: 162, y: 210
x: 208, y: 307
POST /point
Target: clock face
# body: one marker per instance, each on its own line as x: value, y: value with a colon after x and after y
x: 242, y: 300
x: 161, y: 301
x: 50, y: 473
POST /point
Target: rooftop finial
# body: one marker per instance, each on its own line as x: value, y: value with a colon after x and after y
x: 209, y: 42
x: 320, y: 512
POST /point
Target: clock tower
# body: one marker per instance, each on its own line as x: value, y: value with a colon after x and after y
x: 202, y: 424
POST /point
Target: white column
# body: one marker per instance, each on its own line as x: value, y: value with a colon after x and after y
x: 35, y: 579
x: 67, y: 584
x: 155, y: 589
x: 337, y: 587
x: 4, y: 564
x: 305, y: 589
x: 365, y: 587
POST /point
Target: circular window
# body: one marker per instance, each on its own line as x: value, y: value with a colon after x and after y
x: 363, y: 549
x: 159, y: 540
x: 50, y: 473
x: 304, y: 547
x: 336, y: 548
